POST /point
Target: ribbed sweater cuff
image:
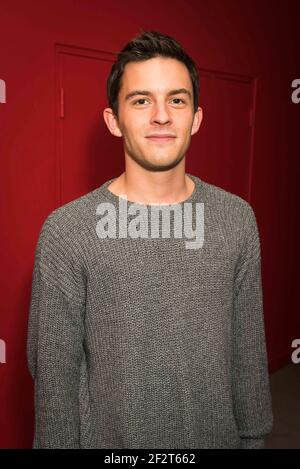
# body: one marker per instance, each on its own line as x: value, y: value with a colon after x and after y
x: 252, y: 443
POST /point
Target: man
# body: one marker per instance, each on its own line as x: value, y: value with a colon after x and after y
x: 135, y: 339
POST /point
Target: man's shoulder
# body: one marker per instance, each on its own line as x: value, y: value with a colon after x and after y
x: 75, y: 215
x: 230, y: 213
x: 224, y: 200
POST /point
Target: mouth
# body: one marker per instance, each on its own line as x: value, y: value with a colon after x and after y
x: 161, y: 139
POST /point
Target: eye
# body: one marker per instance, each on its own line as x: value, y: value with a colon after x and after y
x: 179, y: 100
x: 144, y: 99
x: 138, y: 100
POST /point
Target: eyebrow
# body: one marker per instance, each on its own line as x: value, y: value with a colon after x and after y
x: 148, y: 93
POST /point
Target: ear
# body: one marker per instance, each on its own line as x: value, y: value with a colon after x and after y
x: 198, y: 116
x: 111, y: 122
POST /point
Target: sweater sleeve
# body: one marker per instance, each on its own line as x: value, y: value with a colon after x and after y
x: 251, y: 390
x: 55, y: 338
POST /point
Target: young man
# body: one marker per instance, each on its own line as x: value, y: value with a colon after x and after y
x: 138, y: 339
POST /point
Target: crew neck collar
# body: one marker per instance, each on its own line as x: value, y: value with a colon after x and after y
x: 116, y: 198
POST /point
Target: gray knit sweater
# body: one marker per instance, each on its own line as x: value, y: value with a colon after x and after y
x: 143, y: 343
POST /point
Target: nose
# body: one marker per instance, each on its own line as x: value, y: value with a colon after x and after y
x: 160, y: 113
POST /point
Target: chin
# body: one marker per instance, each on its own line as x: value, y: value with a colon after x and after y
x: 160, y: 165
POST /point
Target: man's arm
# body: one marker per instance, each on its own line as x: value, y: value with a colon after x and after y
x: 251, y: 390
x: 55, y: 339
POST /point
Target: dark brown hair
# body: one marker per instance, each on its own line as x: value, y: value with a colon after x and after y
x: 146, y: 45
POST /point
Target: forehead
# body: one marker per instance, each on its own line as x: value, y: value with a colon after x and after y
x: 157, y: 74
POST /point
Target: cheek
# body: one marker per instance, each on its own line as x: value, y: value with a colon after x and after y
x: 134, y: 136
x: 185, y: 134
x: 136, y: 128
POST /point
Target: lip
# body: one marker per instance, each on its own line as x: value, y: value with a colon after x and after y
x: 161, y: 138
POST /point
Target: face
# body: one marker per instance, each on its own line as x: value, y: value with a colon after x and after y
x: 155, y: 99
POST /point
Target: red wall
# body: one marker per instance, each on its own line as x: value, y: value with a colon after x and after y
x: 257, y: 39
